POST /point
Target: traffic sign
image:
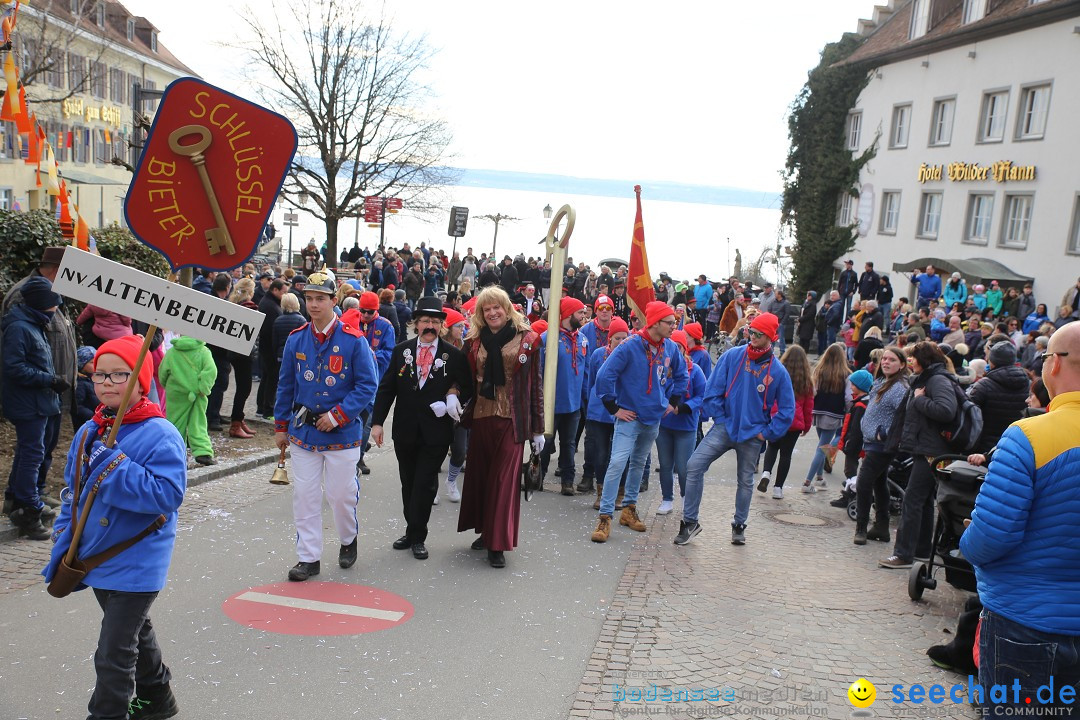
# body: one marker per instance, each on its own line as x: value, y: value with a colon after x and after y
x: 292, y: 219
x: 318, y: 608
x: 373, y: 209
x: 459, y: 217
x: 393, y: 204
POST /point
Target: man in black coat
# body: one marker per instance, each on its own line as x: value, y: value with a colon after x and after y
x: 1001, y: 394
x: 869, y: 283
x: 430, y: 381
x: 846, y: 285
x: 270, y: 307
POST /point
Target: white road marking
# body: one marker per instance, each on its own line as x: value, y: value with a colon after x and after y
x: 319, y: 606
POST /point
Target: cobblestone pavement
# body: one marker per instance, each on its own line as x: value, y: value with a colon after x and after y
x: 787, y: 622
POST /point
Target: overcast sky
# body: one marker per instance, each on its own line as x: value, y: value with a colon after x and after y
x: 693, y: 92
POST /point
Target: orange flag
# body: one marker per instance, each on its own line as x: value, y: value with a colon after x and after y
x: 22, y: 117
x: 639, y: 287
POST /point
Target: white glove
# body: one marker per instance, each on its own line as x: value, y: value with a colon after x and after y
x: 538, y: 444
x: 439, y: 408
x: 453, y: 407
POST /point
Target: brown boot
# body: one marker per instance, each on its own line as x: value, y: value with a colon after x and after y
x: 236, y: 430
x: 630, y: 519
x: 603, y: 529
x: 599, y: 494
x: 618, y: 500
x: 249, y: 431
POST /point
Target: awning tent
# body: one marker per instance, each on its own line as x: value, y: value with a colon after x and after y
x: 975, y: 271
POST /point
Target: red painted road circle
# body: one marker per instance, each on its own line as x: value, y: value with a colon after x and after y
x: 317, y: 608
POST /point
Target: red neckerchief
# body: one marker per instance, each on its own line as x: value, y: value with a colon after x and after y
x: 321, y: 337
x: 654, y: 358
x: 755, y: 354
x: 143, y: 409
x: 572, y: 337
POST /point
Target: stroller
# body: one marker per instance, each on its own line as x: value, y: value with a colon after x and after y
x: 896, y: 478
x: 958, y: 486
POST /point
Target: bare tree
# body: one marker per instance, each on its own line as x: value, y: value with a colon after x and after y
x: 351, y: 87
x: 56, y: 59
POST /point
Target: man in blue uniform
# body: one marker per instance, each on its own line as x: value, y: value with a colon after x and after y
x: 596, y: 330
x: 570, y: 377
x: 327, y: 381
x: 380, y: 334
x: 637, y: 383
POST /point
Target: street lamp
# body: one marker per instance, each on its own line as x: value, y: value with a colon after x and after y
x: 497, y: 218
x: 547, y: 211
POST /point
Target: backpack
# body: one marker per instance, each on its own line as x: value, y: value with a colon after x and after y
x: 963, y: 431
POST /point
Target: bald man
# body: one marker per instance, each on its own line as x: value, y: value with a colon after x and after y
x: 1024, y: 542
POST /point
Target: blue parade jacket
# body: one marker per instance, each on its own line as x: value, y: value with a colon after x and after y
x: 596, y: 410
x: 702, y: 359
x: 692, y: 398
x: 624, y: 380
x: 570, y: 381
x: 597, y: 337
x: 144, y: 475
x: 337, y: 376
x: 740, y: 392
x: 382, y: 338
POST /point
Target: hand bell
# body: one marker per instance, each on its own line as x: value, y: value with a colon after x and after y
x: 281, y: 475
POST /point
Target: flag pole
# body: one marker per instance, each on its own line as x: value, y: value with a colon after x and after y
x: 556, y: 252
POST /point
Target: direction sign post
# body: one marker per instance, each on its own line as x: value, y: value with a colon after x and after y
x: 291, y: 220
x: 459, y: 218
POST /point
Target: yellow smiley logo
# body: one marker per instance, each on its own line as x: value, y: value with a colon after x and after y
x: 862, y: 693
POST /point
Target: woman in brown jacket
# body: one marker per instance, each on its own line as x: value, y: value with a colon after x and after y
x: 506, y: 412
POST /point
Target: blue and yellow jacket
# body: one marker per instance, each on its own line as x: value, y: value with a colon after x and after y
x: 1023, y: 539
x: 144, y: 475
x: 337, y: 376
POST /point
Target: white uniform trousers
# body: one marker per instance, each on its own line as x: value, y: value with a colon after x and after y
x: 334, y: 470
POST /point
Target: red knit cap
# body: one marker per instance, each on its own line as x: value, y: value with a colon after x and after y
x: 453, y: 317
x: 680, y: 337
x: 603, y: 300
x: 657, y: 311
x: 369, y: 301
x: 469, y: 305
x: 569, y: 306
x: 540, y: 326
x: 127, y: 349
x: 766, y: 323
x: 617, y: 325
x: 694, y: 330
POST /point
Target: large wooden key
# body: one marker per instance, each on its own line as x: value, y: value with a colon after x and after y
x: 217, y: 238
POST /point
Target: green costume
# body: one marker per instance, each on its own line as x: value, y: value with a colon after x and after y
x: 188, y: 372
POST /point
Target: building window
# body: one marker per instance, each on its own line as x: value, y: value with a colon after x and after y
x: 8, y: 132
x: 99, y: 146
x: 942, y: 121
x: 118, y: 86
x: 854, y: 126
x: 1034, y: 104
x: 74, y: 7
x: 131, y: 29
x: 54, y: 69
x: 101, y: 13
x: 1074, y: 233
x: 979, y: 215
x: 76, y: 72
x: 845, y: 212
x: 930, y: 215
x: 97, y: 79
x: 890, y: 212
x: 1017, y: 221
x: 149, y: 104
x: 80, y: 142
x: 7, y: 198
x: 974, y: 10
x: 992, y: 121
x: 920, y: 18
x: 901, y: 125
x: 153, y: 41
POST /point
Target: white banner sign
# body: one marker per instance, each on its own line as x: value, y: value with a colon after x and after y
x: 121, y: 289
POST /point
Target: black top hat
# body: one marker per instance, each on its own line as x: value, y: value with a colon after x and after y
x: 429, y: 306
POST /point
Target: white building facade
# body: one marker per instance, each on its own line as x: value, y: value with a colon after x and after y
x: 975, y: 119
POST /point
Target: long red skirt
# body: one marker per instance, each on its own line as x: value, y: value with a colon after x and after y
x: 491, y: 499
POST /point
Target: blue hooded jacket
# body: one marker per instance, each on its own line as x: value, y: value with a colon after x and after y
x: 733, y: 397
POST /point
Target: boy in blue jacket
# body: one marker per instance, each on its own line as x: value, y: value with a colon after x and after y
x: 142, y: 482
x: 600, y: 424
x: 570, y: 374
x: 642, y: 378
x: 746, y: 382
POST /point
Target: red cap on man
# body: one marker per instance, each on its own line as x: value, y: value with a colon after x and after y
x: 694, y: 330
x: 569, y: 306
x: 369, y: 301
x: 603, y: 300
x: 657, y: 311
x: 540, y: 326
x: 766, y: 323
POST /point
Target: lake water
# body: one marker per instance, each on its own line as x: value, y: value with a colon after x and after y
x: 683, y: 239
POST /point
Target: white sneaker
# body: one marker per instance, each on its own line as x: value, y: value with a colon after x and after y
x: 665, y: 507
x: 452, y: 492
x: 778, y: 493
x: 820, y: 481
x: 436, y: 500
x: 808, y: 487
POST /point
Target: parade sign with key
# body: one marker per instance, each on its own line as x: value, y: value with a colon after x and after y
x: 156, y: 301
x: 212, y: 167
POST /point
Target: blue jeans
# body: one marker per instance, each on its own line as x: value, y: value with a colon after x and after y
x: 824, y: 437
x: 715, y: 444
x: 830, y: 336
x: 673, y: 448
x: 601, y: 434
x: 1011, y: 652
x: 630, y: 447
x: 566, y: 425
x: 29, y: 457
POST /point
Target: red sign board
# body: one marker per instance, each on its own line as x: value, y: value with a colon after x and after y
x: 318, y: 608
x: 208, y: 177
x: 393, y: 204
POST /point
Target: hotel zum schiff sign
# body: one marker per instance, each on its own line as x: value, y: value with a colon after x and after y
x: 208, y: 177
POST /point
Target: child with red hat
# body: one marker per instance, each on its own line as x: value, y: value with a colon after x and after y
x: 382, y: 338
x: 678, y: 431
x: 142, y: 480
x: 596, y: 330
x: 599, y: 423
x: 569, y: 383
x: 750, y: 399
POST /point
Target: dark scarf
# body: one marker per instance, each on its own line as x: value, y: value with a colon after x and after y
x: 494, y: 374
x: 141, y: 410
